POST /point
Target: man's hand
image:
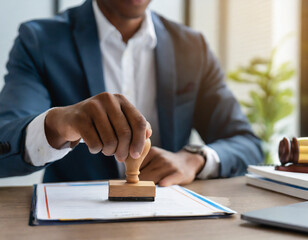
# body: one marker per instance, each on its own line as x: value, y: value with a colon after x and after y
x: 167, y: 168
x: 106, y: 122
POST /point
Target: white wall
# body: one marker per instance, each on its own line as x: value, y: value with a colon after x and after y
x: 205, y: 18
x: 249, y: 35
x: 171, y: 9
x: 12, y: 13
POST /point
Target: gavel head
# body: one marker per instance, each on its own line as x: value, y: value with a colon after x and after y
x: 288, y: 151
x: 132, y: 165
x: 284, y: 150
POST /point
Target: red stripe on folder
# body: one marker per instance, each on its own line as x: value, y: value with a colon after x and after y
x: 46, y: 200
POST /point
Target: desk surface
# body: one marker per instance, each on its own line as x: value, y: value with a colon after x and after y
x: 15, y: 206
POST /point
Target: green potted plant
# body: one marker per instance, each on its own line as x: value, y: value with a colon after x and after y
x: 270, y: 100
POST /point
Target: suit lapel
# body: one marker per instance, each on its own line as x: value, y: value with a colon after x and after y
x: 166, y: 80
x: 86, y: 38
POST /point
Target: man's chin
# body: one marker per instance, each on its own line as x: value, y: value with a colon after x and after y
x: 132, y: 15
x: 129, y: 9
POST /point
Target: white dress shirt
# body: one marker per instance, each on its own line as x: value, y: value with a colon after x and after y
x: 129, y: 69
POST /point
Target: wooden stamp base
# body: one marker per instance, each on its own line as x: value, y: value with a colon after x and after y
x: 120, y: 190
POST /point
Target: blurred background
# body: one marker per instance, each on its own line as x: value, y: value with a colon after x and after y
x: 261, y: 45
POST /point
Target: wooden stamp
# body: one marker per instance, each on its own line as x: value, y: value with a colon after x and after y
x: 132, y: 189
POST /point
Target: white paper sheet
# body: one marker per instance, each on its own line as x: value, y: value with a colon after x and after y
x: 298, y: 179
x: 82, y: 201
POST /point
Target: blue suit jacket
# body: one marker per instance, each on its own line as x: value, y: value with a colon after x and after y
x: 57, y: 62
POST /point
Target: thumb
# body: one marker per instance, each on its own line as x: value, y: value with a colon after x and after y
x: 172, y: 179
x: 148, y: 158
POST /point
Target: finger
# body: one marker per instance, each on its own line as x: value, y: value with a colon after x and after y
x: 148, y: 158
x: 90, y: 136
x: 138, y: 125
x: 122, y: 130
x: 174, y: 178
x: 106, y: 133
x: 151, y: 173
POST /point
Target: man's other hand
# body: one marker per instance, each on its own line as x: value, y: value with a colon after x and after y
x: 166, y: 168
x: 106, y: 122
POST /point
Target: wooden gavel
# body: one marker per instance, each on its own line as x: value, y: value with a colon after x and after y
x: 293, y: 151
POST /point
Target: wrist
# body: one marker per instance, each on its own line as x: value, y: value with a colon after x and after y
x: 196, y: 161
x: 200, y: 162
x: 53, y: 136
x: 198, y: 154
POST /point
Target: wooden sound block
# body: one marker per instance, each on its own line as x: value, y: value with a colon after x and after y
x: 299, y: 168
x: 120, y: 190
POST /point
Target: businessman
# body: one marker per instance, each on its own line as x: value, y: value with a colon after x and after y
x: 111, y: 73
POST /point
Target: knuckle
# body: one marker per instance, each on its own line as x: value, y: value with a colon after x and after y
x: 120, y: 97
x: 154, y: 150
x: 80, y: 117
x: 161, y: 158
x: 106, y: 97
x: 110, y: 142
x: 125, y: 133
x: 179, y: 171
x: 92, y: 106
x: 140, y: 122
x: 161, y: 162
x: 169, y: 165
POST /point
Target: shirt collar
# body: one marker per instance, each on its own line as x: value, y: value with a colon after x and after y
x: 146, y: 34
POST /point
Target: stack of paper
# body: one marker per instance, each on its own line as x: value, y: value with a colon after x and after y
x: 290, y: 183
x: 83, y: 202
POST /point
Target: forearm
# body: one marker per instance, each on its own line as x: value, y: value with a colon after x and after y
x: 12, y: 163
x: 221, y: 124
x: 38, y: 151
x: 236, y: 153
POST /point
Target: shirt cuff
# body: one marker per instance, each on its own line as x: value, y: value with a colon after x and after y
x: 211, y: 167
x: 38, y: 152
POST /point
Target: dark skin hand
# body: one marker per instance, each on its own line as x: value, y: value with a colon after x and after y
x: 166, y: 168
x: 106, y: 122
x: 110, y: 124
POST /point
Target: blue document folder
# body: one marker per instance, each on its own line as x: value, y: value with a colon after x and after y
x: 85, y: 202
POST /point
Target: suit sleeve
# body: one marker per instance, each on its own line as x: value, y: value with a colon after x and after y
x: 23, y: 97
x: 220, y: 122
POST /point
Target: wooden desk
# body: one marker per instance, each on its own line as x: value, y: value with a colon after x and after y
x: 15, y: 206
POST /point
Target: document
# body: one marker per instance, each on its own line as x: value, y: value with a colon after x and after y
x: 86, y: 201
x: 297, y: 179
x: 289, y: 183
